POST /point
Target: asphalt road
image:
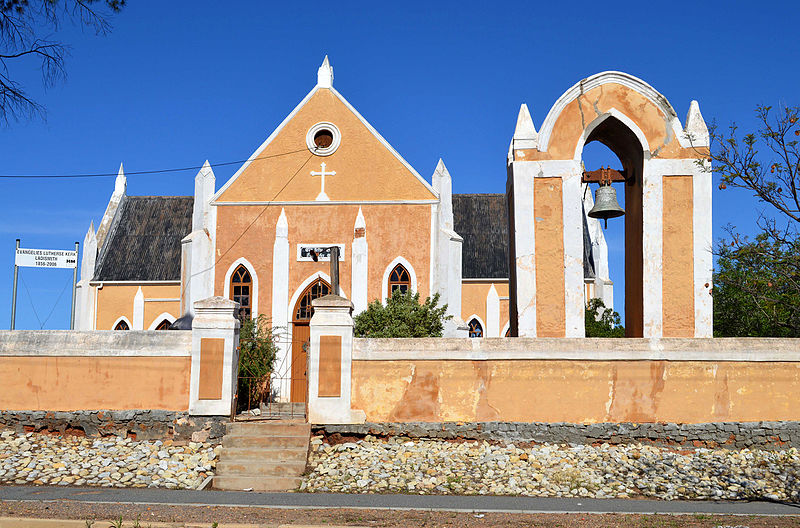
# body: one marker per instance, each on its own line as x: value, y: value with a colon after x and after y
x: 390, y: 502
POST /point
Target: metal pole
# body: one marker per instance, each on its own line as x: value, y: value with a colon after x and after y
x: 74, y: 287
x: 335, y: 270
x: 14, y: 290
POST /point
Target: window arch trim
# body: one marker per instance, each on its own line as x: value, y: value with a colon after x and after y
x: 300, y: 289
x: 123, y: 318
x: 241, y: 261
x: 480, y: 322
x: 385, y: 281
x: 160, y: 318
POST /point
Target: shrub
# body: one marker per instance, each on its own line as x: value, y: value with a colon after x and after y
x: 257, y: 351
x: 602, y: 321
x: 402, y: 316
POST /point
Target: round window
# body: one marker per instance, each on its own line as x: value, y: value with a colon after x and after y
x: 323, y: 139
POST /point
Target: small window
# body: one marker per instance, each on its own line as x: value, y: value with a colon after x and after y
x: 163, y: 325
x: 242, y: 291
x: 122, y: 325
x: 475, y: 328
x: 399, y: 280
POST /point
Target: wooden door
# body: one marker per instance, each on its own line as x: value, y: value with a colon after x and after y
x: 301, y: 334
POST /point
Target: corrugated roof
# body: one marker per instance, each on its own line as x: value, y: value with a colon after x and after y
x: 482, y: 221
x: 145, y: 239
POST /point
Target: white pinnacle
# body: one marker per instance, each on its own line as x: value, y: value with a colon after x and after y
x: 696, y: 128
x: 121, y: 183
x: 525, y: 135
x: 282, y: 226
x: 360, y: 222
x: 325, y: 74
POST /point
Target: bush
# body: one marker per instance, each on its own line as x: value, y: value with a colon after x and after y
x: 403, y: 316
x: 602, y: 321
x: 257, y: 351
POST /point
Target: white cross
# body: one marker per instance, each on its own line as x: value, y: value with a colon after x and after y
x: 322, y: 196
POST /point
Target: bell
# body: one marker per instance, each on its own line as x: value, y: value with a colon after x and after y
x: 606, y: 205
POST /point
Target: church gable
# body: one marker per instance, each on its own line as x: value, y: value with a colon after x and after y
x: 359, y: 165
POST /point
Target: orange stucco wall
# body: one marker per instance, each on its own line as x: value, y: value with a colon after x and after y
x: 89, y: 382
x: 116, y: 300
x: 392, y: 230
x: 548, y: 218
x: 678, y: 261
x: 365, y: 169
x: 473, y: 300
x: 575, y: 391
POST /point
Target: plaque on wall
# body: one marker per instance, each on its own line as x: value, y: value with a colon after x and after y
x: 323, y: 252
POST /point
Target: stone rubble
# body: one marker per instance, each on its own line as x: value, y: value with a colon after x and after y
x: 39, y: 459
x: 399, y: 465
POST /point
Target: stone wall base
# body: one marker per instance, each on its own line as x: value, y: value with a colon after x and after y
x: 138, y: 424
x: 730, y: 435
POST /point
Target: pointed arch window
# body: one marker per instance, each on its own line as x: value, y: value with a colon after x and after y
x: 399, y: 280
x: 242, y: 291
x: 164, y: 325
x: 304, y: 310
x: 122, y: 325
x: 475, y: 328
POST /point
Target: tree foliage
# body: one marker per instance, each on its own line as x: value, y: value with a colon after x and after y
x: 25, y: 26
x: 257, y: 352
x: 601, y: 321
x: 756, y: 284
x: 402, y: 316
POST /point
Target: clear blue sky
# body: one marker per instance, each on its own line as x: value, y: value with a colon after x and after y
x: 177, y: 83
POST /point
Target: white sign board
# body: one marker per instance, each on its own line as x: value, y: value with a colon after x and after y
x: 46, y: 258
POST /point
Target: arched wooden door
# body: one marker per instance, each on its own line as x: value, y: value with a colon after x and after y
x: 301, y: 334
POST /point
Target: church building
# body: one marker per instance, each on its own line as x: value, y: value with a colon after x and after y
x: 519, y: 263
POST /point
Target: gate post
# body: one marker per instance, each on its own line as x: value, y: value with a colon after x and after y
x: 215, y: 357
x: 330, y: 362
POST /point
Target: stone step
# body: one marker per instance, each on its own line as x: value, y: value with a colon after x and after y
x: 260, y: 468
x: 265, y: 441
x: 281, y: 428
x: 277, y: 454
x: 237, y: 482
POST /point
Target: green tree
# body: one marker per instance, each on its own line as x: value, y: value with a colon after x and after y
x: 257, y: 352
x: 757, y: 282
x: 601, y: 321
x: 402, y: 316
x: 22, y: 24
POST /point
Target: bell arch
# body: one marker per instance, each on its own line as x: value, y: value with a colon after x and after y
x: 668, y: 271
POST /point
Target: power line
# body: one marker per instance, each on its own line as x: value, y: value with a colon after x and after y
x: 138, y: 173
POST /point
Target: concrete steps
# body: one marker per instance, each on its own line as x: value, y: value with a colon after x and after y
x: 263, y: 456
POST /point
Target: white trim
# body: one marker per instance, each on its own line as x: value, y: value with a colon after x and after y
x: 160, y: 318
x: 484, y: 280
x: 627, y: 121
x: 162, y: 300
x: 123, y: 318
x: 624, y: 79
x: 703, y: 256
x: 140, y: 283
x: 480, y: 321
x: 227, y: 285
x: 385, y: 281
x: 327, y: 151
x: 505, y: 328
x: 436, y: 285
x: 584, y: 349
x: 95, y: 343
x: 334, y: 202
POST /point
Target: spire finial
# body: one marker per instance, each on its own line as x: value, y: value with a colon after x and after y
x: 696, y: 127
x: 525, y: 135
x: 121, y: 183
x: 325, y: 74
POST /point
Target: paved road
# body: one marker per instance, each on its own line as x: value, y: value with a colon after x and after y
x: 391, y: 502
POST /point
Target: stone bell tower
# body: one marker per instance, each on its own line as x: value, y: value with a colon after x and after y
x: 667, y: 202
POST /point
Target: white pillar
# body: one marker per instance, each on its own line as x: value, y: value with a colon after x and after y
x: 574, y: 306
x: 652, y: 244
x: 138, y: 310
x: 492, y: 313
x: 84, y: 309
x: 330, y: 363
x: 215, y: 344
x: 280, y: 308
x: 359, y: 278
x: 521, y: 174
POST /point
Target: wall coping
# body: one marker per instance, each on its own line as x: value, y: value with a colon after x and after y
x: 99, y: 343
x: 584, y: 349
